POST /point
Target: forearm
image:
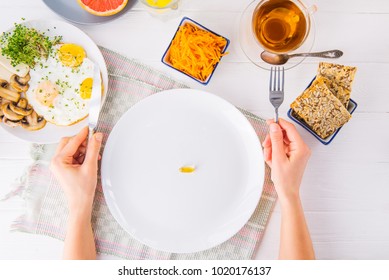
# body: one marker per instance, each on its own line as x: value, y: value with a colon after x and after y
x: 79, y: 241
x: 295, y: 241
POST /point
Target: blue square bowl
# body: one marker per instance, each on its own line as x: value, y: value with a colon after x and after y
x: 183, y: 21
x: 292, y: 115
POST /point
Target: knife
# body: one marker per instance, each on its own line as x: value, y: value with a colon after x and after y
x: 95, y: 101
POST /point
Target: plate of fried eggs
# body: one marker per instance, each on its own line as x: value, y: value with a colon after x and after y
x: 60, y: 85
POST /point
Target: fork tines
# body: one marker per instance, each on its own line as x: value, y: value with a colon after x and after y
x: 278, y: 73
x: 276, y: 88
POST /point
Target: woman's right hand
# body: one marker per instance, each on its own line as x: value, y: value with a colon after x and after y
x: 75, y: 167
x: 287, y: 155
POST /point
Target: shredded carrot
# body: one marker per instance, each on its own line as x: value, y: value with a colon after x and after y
x: 196, y: 51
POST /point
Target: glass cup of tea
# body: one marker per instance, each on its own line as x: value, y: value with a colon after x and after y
x: 281, y: 26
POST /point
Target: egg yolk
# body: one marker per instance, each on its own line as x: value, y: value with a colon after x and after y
x: 71, y: 55
x: 45, y: 93
x: 86, y: 88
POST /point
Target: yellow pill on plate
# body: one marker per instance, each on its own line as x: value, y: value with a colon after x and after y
x: 187, y: 169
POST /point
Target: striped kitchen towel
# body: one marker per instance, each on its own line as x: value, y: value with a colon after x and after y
x: 46, y: 210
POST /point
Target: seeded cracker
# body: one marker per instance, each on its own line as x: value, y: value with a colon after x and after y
x: 341, y: 77
x: 340, y: 92
x: 320, y: 109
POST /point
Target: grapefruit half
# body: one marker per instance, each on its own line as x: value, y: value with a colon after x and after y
x: 103, y: 7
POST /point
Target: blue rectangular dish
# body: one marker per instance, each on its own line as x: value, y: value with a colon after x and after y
x: 351, y: 108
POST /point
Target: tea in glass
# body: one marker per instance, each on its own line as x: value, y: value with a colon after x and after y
x: 280, y: 25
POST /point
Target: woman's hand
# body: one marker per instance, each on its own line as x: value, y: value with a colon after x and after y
x: 287, y: 155
x: 75, y: 166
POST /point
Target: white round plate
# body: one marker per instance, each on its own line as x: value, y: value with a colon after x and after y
x: 70, y: 34
x: 182, y: 212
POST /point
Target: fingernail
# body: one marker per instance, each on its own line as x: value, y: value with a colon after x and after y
x: 99, y: 137
x: 274, y: 127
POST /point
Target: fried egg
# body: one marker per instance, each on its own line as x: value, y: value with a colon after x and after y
x: 61, y: 86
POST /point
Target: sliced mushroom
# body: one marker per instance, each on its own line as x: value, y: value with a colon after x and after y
x: 23, y: 80
x: 33, y: 122
x: 3, y: 101
x: 9, y: 114
x: 9, y: 94
x: 21, y: 108
x: 11, y: 123
x: 19, y: 83
x: 1, y: 114
x: 3, y: 83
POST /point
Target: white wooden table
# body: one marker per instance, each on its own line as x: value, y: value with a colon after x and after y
x: 345, y: 191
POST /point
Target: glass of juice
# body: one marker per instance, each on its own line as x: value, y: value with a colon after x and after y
x: 161, y: 7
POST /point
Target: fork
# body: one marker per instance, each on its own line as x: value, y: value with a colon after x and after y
x: 276, y: 88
